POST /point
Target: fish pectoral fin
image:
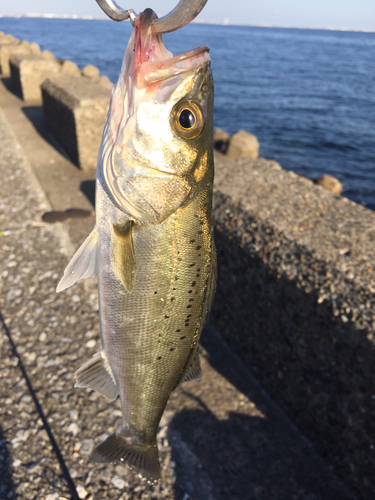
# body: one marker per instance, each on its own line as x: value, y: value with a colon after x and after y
x: 119, y: 448
x: 84, y: 263
x: 96, y: 374
x: 123, y: 254
x: 193, y: 370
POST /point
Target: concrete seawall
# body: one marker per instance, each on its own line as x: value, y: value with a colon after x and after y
x: 295, y: 300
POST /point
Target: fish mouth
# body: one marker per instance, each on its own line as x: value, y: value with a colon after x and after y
x: 153, y: 63
x: 157, y: 71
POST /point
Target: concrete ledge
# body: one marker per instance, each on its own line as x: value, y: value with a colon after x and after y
x: 28, y: 72
x: 75, y: 111
x: 295, y: 299
x: 7, y: 50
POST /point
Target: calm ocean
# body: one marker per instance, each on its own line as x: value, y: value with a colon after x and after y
x: 308, y: 95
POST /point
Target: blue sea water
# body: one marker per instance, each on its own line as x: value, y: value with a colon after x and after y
x: 308, y: 95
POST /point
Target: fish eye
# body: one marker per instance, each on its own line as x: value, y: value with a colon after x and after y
x: 187, y: 120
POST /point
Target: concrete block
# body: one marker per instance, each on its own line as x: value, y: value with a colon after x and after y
x: 91, y: 72
x: 75, y: 111
x: 4, y: 38
x: 331, y: 183
x: 243, y: 145
x: 29, y: 72
x: 69, y: 68
x: 105, y: 82
x: 6, y: 51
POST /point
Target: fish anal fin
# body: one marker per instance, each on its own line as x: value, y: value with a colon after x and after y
x: 96, y: 374
x: 84, y: 263
x: 193, y: 370
x: 123, y: 254
x: 118, y: 448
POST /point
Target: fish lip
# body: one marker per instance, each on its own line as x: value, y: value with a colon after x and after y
x: 190, y: 53
x: 157, y: 71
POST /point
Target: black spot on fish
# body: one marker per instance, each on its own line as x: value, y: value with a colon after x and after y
x: 188, y: 316
x: 192, y: 265
x: 191, y: 300
x: 197, y: 275
x: 155, y: 293
x: 192, y: 241
x: 172, y: 299
x: 166, y: 317
x: 171, y: 349
x: 178, y: 330
x: 190, y: 291
x: 200, y: 232
x: 198, y: 247
x: 183, y: 337
x: 188, y: 307
x: 194, y: 283
x: 159, y: 357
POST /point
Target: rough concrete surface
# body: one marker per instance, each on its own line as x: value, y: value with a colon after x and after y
x: 219, y: 438
x: 8, y: 49
x: 295, y: 299
x: 28, y: 72
x: 75, y: 110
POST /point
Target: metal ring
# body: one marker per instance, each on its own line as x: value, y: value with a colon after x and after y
x: 113, y: 10
x: 180, y: 16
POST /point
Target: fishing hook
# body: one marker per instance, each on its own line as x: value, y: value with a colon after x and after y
x: 180, y: 16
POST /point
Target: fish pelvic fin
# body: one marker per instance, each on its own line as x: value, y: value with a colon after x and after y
x: 123, y: 254
x: 96, y: 374
x: 143, y: 459
x: 84, y: 263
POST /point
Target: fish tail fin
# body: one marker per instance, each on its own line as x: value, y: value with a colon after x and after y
x: 143, y: 459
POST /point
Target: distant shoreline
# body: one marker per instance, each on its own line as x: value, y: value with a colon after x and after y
x: 224, y: 23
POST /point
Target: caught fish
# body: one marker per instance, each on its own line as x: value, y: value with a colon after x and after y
x: 152, y: 245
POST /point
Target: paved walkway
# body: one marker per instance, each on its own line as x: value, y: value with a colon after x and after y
x: 221, y: 438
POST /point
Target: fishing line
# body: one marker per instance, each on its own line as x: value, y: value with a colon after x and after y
x: 55, y: 447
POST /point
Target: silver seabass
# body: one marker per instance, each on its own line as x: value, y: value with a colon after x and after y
x: 152, y: 245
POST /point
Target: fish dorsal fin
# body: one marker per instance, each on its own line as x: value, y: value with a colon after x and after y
x: 123, y: 254
x: 84, y: 263
x: 96, y: 374
x: 193, y: 370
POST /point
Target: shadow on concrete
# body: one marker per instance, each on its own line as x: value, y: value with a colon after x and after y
x: 6, y: 479
x: 232, y: 459
x: 88, y: 189
x: 7, y: 81
x: 36, y: 117
x: 260, y: 456
x: 319, y: 369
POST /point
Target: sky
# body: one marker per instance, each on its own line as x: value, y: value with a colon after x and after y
x: 339, y: 14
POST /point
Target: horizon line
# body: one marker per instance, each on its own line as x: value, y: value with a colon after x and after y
x: 225, y: 22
